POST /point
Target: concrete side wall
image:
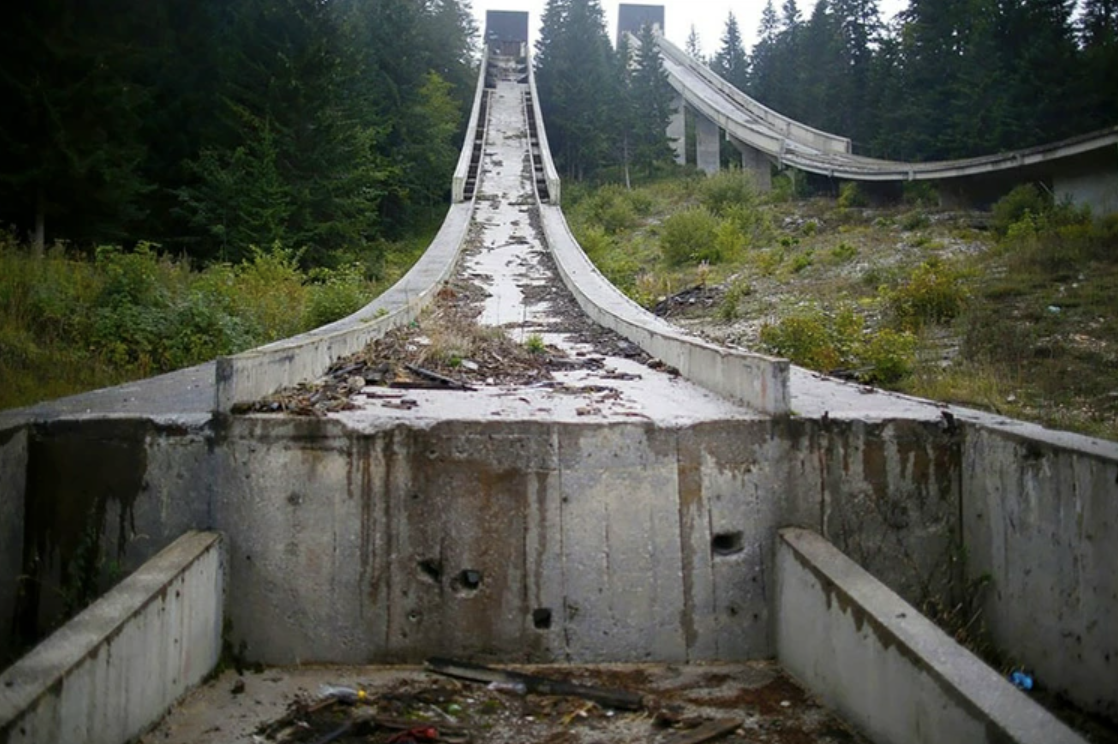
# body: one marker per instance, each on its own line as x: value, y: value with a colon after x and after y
x: 254, y: 374
x: 114, y: 670
x: 554, y: 186
x: 790, y: 128
x: 885, y: 667
x: 1041, y: 523
x: 462, y: 170
x: 13, y: 481
x: 753, y: 380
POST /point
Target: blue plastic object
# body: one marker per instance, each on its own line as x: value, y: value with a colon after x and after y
x: 1021, y: 681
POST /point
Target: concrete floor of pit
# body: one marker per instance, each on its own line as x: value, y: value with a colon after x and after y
x: 772, y: 709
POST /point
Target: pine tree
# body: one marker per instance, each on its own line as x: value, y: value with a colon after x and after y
x: 577, y: 84
x: 730, y: 61
x: 652, y: 104
x: 694, y: 47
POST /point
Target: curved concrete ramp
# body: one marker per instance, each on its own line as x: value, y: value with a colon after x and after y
x: 789, y: 142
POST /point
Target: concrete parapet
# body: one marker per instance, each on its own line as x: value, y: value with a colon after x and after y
x: 247, y: 377
x: 789, y: 128
x: 462, y: 171
x: 885, y: 667
x: 13, y: 482
x: 757, y: 381
x: 112, y: 671
x: 554, y: 189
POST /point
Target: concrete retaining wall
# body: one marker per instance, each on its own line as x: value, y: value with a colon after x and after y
x: 885, y: 667
x: 757, y: 381
x: 1040, y: 521
x: 114, y: 670
x: 247, y: 377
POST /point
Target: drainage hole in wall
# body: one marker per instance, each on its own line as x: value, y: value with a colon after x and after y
x: 431, y: 570
x: 541, y: 618
x: 468, y: 581
x: 727, y: 543
x: 414, y: 616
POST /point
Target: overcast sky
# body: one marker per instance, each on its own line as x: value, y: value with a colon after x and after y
x: 709, y: 16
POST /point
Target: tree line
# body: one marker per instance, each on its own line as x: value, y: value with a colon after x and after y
x: 211, y: 126
x: 945, y: 79
x: 606, y: 109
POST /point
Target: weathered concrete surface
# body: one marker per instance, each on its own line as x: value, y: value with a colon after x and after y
x: 13, y: 480
x: 1041, y: 522
x: 885, y: 667
x: 754, y: 380
x: 98, y: 498
x: 756, y: 163
x: 708, y: 144
x: 677, y: 130
x: 117, y: 667
x: 1089, y: 180
x: 526, y: 541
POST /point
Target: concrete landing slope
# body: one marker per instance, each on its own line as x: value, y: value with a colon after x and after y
x: 883, y: 665
x: 115, y: 669
x: 753, y: 380
x: 789, y: 142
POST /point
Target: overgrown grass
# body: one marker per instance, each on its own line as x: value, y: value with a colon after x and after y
x: 71, y: 322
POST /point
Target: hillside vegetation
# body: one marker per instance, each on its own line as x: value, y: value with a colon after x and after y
x: 70, y: 323
x: 1011, y: 311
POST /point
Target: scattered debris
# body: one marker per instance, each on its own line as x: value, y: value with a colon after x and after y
x: 621, y: 699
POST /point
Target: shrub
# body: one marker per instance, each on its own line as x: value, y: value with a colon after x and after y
x: 335, y: 294
x: 887, y: 357
x: 851, y: 196
x: 844, y: 252
x: 728, y: 189
x: 802, y: 261
x: 915, y: 221
x: 609, y: 207
x: 728, y: 307
x: 689, y: 237
x: 933, y: 293
x: 828, y: 342
x: 1023, y: 200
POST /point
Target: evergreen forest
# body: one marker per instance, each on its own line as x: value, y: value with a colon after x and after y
x: 944, y: 79
x: 211, y: 126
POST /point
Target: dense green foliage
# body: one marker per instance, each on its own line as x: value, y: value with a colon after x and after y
x: 211, y: 126
x: 945, y: 79
x: 71, y: 322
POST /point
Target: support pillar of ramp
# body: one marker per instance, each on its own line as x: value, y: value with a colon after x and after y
x: 707, y: 144
x: 755, y: 162
x: 677, y: 130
